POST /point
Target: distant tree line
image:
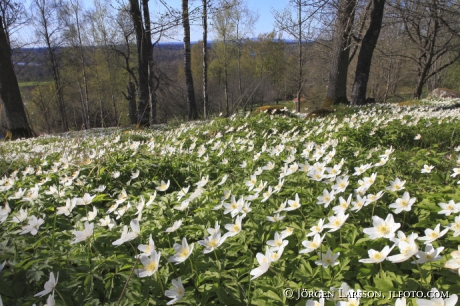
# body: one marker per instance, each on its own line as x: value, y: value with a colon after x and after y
x: 109, y: 65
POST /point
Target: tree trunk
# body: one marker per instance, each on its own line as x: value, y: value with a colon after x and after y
x: 420, y: 82
x: 112, y: 95
x: 16, y: 118
x: 425, y: 61
x: 337, y: 85
x: 148, y: 36
x: 59, y: 89
x: 205, y: 63
x: 299, y: 42
x: 83, y: 68
x: 226, y: 79
x: 44, y: 22
x: 143, y: 49
x: 101, y: 109
x: 192, y: 111
x: 239, y: 42
x: 131, y: 97
x: 363, y: 67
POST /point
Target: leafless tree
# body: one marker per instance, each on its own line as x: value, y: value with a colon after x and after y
x: 337, y: 85
x: 47, y: 30
x: 17, y: 122
x: 192, y: 110
x: 368, y: 43
x: 433, y: 27
x: 298, y: 26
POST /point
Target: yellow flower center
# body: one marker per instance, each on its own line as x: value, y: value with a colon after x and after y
x: 353, y: 302
x: 378, y: 256
x: 213, y: 243
x: 383, y: 229
x: 151, y: 266
x: 406, y: 250
x: 184, y: 252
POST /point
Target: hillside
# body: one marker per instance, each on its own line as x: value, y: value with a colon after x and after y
x: 32, y: 63
x: 246, y: 210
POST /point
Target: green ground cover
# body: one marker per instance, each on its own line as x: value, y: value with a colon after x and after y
x: 246, y: 210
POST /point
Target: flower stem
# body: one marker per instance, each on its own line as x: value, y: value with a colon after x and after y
x: 54, y: 230
x: 127, y: 281
x: 191, y: 265
x: 217, y: 260
x: 420, y: 270
x: 373, y: 208
x: 60, y: 296
x: 157, y: 275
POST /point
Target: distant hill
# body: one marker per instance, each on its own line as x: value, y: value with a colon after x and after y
x: 31, y: 64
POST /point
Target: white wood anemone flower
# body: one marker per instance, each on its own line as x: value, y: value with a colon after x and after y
x: 376, y: 256
x: 150, y: 263
x: 83, y: 235
x: 430, y: 254
x: 33, y: 226
x: 382, y: 228
x: 328, y: 259
x: 174, y: 227
x: 183, y: 251
x: 454, y: 263
x: 163, y: 186
x: 128, y: 236
x: 146, y: 249
x: 403, y: 204
x: 264, y: 264
x: 49, y: 285
x: 433, y: 234
x: 176, y: 292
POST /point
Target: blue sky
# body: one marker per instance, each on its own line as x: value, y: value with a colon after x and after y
x: 264, y: 8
